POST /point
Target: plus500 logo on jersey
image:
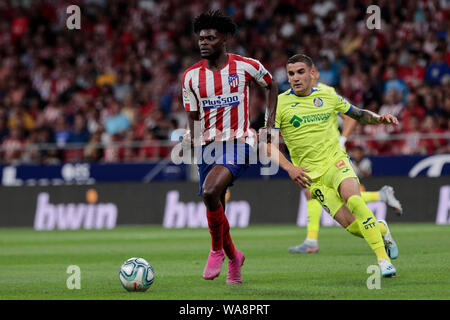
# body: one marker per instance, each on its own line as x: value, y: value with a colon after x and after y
x: 221, y: 101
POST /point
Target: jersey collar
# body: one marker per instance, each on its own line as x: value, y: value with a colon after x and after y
x: 312, y: 90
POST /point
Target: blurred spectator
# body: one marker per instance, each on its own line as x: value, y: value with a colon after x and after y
x: 437, y: 69
x: 112, y: 149
x: 321, y: 8
x: 93, y: 150
x: 149, y: 150
x: 351, y: 40
x: 413, y: 144
x: 117, y: 121
x: 446, y: 112
x: 392, y: 103
x: 412, y: 109
x: 45, y: 138
x: 4, y: 131
x: 12, y: 146
x: 31, y: 152
x: 373, y: 89
x: 61, y: 131
x: 121, y: 73
x: 412, y: 72
x: 179, y: 114
x: 360, y: 163
x: 158, y: 123
x: 429, y: 126
x: 123, y: 86
x: 431, y: 108
x: 19, y: 117
x: 328, y: 75
x: 128, y: 151
x: 393, y: 82
x: 80, y: 133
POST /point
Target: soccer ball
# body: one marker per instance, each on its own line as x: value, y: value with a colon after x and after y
x: 136, y: 274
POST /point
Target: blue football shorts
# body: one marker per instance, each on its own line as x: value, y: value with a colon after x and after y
x: 235, y: 155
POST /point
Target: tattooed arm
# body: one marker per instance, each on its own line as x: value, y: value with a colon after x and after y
x: 369, y: 117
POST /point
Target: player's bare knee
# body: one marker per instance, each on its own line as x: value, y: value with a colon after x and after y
x: 207, y: 195
x: 210, y: 195
x: 349, y: 187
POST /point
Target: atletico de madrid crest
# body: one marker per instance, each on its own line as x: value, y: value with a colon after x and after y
x: 233, y: 80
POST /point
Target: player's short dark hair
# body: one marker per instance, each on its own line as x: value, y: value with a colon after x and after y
x: 215, y: 20
x: 300, y: 58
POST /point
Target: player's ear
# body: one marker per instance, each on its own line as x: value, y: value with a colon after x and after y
x: 313, y: 72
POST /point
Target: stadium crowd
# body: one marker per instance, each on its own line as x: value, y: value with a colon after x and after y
x: 117, y: 79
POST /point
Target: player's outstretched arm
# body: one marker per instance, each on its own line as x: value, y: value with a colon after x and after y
x: 369, y: 117
x: 189, y: 137
x: 272, y: 99
x: 297, y: 174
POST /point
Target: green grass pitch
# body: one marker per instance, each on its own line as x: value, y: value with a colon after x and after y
x: 33, y: 264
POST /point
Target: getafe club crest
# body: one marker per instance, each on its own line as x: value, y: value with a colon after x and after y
x: 233, y: 80
x: 318, y: 102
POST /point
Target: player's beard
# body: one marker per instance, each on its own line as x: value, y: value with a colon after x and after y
x: 309, y: 83
x: 213, y: 56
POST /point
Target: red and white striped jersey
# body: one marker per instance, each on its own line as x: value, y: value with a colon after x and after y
x: 222, y: 98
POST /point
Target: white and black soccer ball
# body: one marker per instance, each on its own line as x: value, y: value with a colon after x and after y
x: 136, y: 274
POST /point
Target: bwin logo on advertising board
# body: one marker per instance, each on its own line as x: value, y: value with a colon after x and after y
x: 72, y: 216
x: 178, y: 214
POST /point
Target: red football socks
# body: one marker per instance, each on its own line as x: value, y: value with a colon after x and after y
x: 215, y: 224
x: 219, y: 228
x: 228, y: 245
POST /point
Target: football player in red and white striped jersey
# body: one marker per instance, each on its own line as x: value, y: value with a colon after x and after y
x: 216, y: 96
